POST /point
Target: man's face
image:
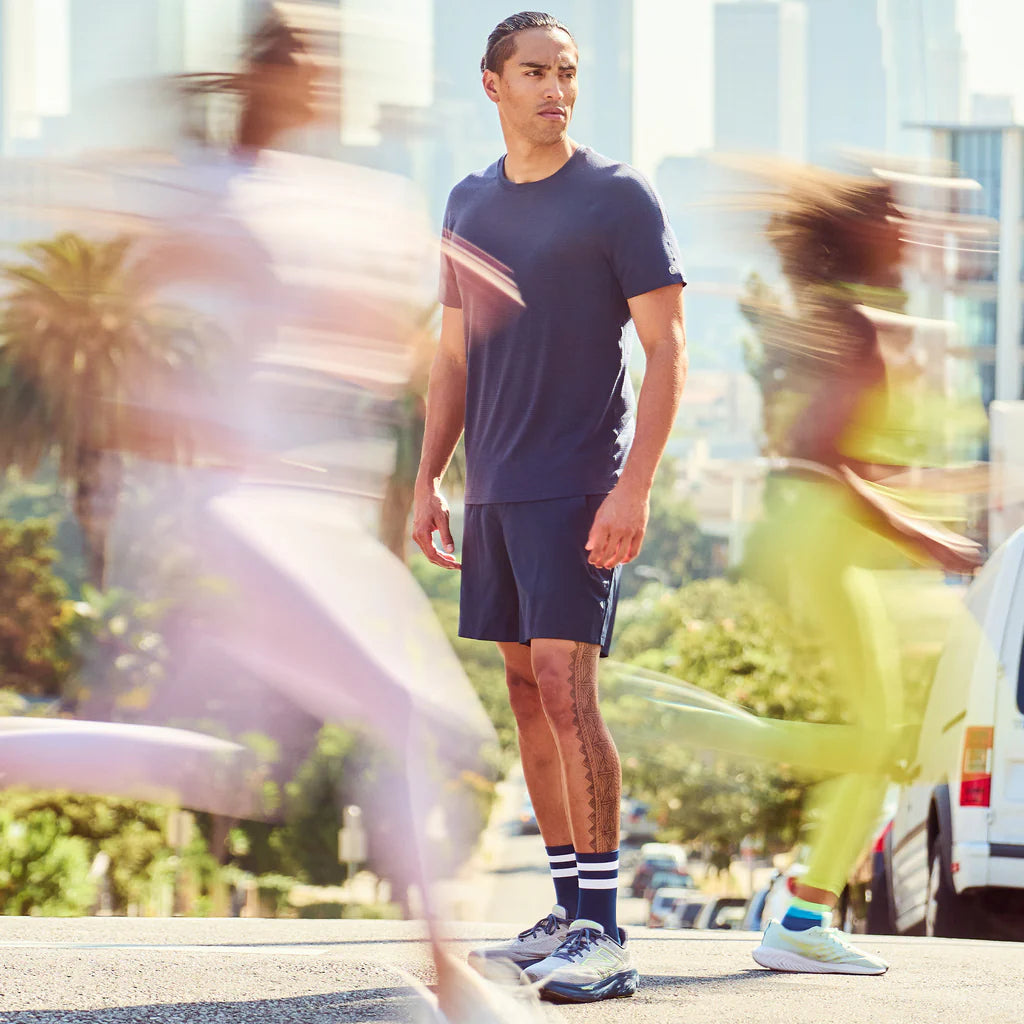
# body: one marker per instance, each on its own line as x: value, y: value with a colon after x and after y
x: 536, y: 90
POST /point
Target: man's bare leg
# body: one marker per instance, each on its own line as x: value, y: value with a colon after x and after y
x: 566, y: 674
x: 542, y: 766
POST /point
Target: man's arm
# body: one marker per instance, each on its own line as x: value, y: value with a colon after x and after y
x: 620, y: 523
x: 446, y: 417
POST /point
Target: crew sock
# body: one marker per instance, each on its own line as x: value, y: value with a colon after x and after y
x: 599, y: 888
x: 563, y: 873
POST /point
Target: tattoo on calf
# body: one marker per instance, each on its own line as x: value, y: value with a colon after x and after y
x: 600, y: 758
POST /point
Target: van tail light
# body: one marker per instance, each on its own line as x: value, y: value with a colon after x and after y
x: 879, y: 846
x: 976, y: 770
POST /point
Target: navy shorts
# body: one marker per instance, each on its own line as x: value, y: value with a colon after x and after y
x: 525, y: 574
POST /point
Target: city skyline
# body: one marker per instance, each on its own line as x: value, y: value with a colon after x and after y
x: 674, y: 72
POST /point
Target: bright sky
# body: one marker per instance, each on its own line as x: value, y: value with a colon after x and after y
x: 674, y: 44
x: 992, y: 31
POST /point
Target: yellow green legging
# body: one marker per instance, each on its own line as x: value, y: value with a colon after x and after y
x: 820, y: 558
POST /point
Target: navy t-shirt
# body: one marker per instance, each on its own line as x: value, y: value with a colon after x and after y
x: 549, y: 402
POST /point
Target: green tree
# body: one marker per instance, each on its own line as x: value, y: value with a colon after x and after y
x: 44, y: 869
x: 732, y: 640
x: 34, y: 613
x: 84, y: 346
x: 119, y: 654
x: 769, y: 353
x: 129, y: 832
x: 675, y: 551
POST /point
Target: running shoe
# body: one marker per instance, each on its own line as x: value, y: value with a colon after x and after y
x: 589, y: 965
x: 814, y: 951
x: 528, y: 947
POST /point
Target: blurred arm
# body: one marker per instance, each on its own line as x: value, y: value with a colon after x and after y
x: 446, y: 417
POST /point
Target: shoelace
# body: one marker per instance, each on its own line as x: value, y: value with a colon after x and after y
x: 577, y: 942
x: 549, y: 925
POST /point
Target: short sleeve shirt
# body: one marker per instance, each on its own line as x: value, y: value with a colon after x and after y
x: 549, y: 402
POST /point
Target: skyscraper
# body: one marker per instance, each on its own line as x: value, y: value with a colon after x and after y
x: 924, y: 60
x: 760, y: 77
x: 846, y: 78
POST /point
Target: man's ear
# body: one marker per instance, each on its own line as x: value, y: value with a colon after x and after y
x: 490, y: 83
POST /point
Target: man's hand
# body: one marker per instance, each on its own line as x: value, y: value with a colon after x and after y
x: 430, y: 514
x: 619, y: 527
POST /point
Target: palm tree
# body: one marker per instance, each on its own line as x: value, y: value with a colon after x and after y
x: 85, y: 349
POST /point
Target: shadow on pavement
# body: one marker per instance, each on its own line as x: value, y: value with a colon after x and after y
x: 649, y: 981
x: 393, y: 1005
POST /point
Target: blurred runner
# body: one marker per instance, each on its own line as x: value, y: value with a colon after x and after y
x: 831, y: 525
x: 557, y: 486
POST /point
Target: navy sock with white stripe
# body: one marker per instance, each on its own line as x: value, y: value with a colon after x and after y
x: 599, y: 888
x: 562, y: 860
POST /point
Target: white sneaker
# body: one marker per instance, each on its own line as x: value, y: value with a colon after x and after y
x: 528, y: 947
x: 589, y: 965
x: 814, y: 951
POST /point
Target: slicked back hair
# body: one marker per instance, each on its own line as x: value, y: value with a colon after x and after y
x: 501, y: 43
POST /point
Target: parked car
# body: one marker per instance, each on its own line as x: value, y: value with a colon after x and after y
x: 780, y: 892
x: 664, y: 902
x: 722, y: 912
x: 955, y: 854
x: 753, y: 917
x: 663, y: 879
x: 685, y: 913
x: 635, y: 825
x: 656, y: 857
x: 865, y: 906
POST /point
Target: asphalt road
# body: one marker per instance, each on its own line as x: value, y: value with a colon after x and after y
x: 117, y: 970
x: 114, y: 971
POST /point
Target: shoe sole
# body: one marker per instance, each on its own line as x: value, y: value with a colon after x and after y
x: 625, y: 983
x: 783, y: 960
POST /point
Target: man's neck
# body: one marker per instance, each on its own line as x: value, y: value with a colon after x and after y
x: 527, y: 162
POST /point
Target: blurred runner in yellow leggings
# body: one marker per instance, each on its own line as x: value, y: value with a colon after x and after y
x: 843, y: 427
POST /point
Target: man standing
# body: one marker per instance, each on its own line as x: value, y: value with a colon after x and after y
x: 557, y: 484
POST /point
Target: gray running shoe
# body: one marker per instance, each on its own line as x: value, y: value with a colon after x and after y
x: 528, y: 947
x: 589, y: 965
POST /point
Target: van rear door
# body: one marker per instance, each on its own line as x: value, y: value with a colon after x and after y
x: 1006, y: 815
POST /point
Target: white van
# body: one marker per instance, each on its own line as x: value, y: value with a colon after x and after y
x: 954, y: 857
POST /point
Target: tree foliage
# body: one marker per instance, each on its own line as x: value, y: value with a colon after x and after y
x: 34, y: 614
x: 84, y: 347
x: 43, y: 868
x: 732, y: 640
x: 57, y: 836
x: 675, y: 550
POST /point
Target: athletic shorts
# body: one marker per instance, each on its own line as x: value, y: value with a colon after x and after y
x: 525, y: 574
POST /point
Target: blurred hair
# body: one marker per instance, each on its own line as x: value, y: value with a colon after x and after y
x: 501, y: 43
x: 274, y: 42
x: 823, y: 228
x: 836, y: 237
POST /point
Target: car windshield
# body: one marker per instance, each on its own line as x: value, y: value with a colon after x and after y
x: 690, y: 912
